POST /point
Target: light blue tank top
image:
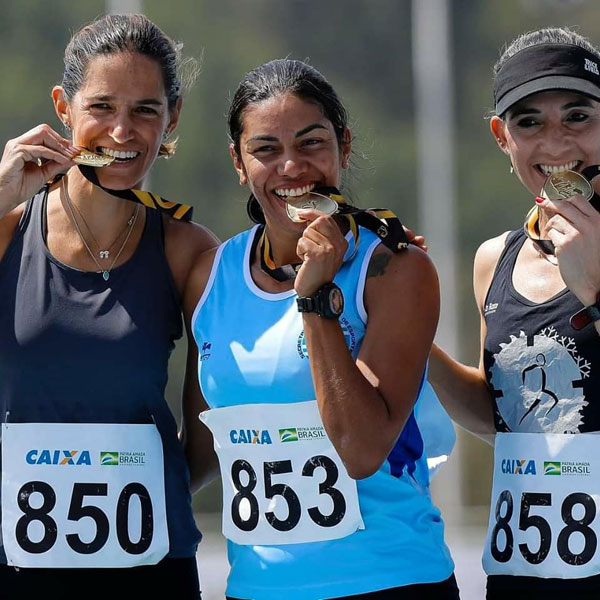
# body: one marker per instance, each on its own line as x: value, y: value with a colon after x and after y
x: 252, y: 350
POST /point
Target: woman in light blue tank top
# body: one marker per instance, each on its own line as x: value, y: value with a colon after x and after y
x: 313, y: 340
x: 95, y: 488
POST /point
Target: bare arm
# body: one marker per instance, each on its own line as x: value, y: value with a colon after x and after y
x: 463, y: 389
x: 197, y: 438
x: 365, y: 404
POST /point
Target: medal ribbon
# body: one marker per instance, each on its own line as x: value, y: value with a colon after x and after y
x: 381, y: 221
x: 181, y: 212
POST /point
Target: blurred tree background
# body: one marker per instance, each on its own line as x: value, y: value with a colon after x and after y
x: 364, y: 48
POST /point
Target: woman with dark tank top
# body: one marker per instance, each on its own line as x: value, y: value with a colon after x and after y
x: 95, y: 497
x: 537, y: 289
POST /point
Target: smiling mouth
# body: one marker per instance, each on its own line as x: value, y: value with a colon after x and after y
x: 286, y: 194
x: 547, y: 170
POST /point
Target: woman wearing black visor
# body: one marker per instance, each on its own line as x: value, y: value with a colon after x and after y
x: 537, y: 289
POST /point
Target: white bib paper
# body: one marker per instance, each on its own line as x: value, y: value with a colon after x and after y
x: 283, y: 481
x: 545, y: 500
x: 83, y: 495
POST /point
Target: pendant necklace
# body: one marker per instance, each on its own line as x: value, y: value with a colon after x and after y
x: 104, y: 254
x: 130, y: 226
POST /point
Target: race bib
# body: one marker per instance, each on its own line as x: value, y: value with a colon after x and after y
x: 545, y: 499
x: 283, y: 481
x: 83, y: 495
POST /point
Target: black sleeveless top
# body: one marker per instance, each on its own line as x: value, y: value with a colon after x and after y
x: 77, y: 349
x: 544, y: 375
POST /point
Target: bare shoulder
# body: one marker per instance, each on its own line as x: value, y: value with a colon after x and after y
x: 486, y: 259
x: 8, y: 226
x: 405, y: 265
x: 197, y: 281
x: 400, y: 276
x: 184, y: 243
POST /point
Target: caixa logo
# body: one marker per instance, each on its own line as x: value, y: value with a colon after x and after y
x: 512, y: 466
x: 250, y: 436
x: 58, y: 457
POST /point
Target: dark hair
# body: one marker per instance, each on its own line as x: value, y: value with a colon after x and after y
x: 112, y: 34
x: 548, y: 35
x: 285, y: 76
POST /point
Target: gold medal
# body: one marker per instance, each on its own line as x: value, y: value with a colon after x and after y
x: 563, y: 185
x: 91, y: 159
x: 313, y: 200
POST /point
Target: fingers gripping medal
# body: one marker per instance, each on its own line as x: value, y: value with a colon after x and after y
x: 88, y: 162
x: 561, y: 186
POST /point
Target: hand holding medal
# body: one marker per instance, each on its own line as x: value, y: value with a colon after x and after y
x: 573, y: 221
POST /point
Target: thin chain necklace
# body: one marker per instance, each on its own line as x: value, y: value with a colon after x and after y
x: 104, y: 254
x: 130, y: 225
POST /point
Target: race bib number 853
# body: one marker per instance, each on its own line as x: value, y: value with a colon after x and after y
x: 283, y: 481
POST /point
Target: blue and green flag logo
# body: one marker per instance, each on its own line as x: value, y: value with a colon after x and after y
x: 288, y: 435
x: 552, y: 468
x: 109, y: 458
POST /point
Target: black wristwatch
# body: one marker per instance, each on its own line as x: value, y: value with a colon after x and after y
x: 587, y: 315
x: 327, y: 302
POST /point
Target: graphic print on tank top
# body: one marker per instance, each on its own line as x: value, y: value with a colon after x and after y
x: 537, y: 382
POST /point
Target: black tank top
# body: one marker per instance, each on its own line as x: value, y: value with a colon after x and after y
x: 544, y: 375
x: 77, y: 349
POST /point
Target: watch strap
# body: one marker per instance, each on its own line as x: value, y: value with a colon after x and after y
x: 585, y: 316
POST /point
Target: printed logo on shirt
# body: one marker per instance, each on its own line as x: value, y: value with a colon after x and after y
x: 58, y: 457
x: 490, y: 309
x: 518, y: 467
x: 537, y: 383
x: 122, y: 458
x: 347, y: 330
x: 204, y: 353
x: 250, y: 436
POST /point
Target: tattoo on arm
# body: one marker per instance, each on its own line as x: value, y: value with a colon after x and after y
x: 378, y: 264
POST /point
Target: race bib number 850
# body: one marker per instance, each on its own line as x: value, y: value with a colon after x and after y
x: 283, y: 481
x: 84, y: 495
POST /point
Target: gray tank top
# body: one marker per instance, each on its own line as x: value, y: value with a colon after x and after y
x: 77, y: 349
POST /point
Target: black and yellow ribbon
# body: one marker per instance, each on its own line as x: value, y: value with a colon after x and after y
x: 381, y: 221
x: 181, y: 212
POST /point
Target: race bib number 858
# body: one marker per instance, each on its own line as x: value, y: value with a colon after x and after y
x: 544, y: 505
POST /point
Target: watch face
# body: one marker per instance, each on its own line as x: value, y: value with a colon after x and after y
x: 336, y: 301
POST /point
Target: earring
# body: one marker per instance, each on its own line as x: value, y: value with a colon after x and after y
x: 511, y: 169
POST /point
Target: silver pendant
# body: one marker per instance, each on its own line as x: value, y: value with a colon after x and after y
x: 104, y: 253
x: 105, y: 275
